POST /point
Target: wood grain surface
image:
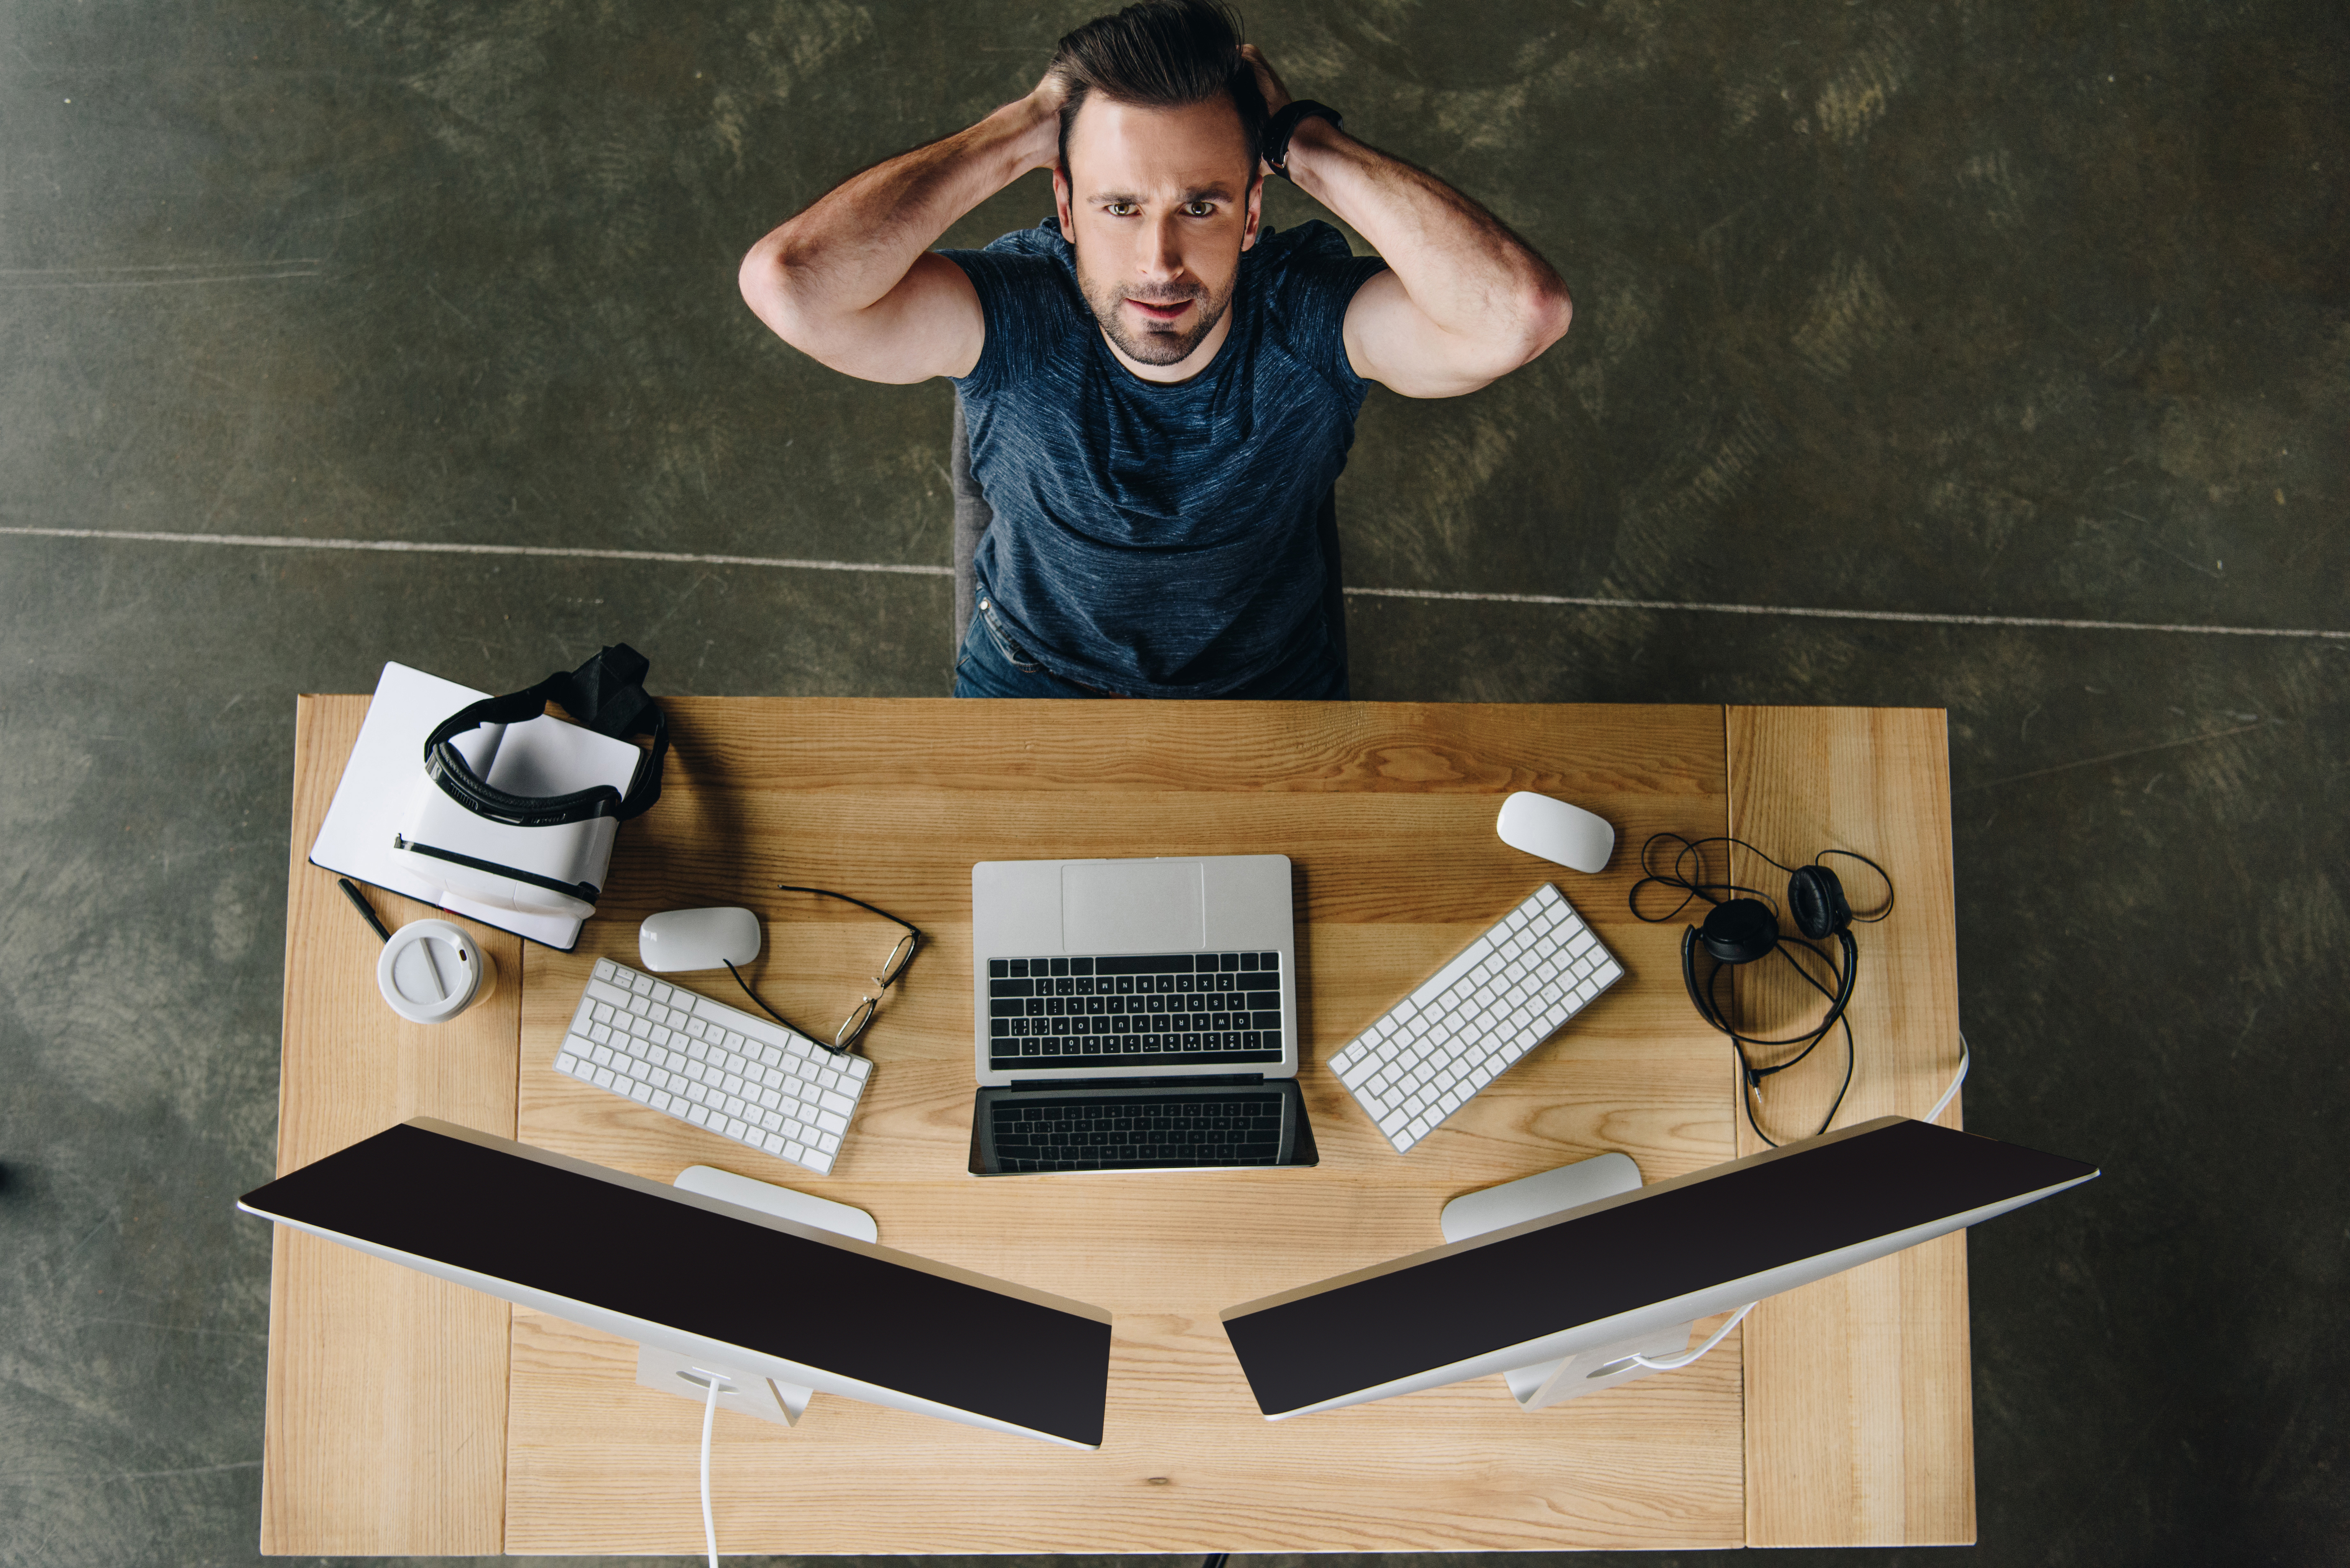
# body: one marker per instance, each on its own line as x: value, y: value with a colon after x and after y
x: 387, y: 1400
x: 1387, y: 814
x: 409, y: 1415
x: 1859, y: 1425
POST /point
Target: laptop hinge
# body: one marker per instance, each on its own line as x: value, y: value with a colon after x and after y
x: 1222, y: 1081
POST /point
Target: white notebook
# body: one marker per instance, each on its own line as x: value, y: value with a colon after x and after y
x: 544, y: 756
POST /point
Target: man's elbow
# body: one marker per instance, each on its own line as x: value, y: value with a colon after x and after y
x: 1545, y: 316
x: 766, y: 284
x: 1523, y: 329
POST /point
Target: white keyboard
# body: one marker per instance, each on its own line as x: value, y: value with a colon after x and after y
x: 726, y: 1070
x: 1507, y: 992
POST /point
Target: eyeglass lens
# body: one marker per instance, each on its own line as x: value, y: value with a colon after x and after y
x: 896, y: 962
x: 858, y: 1020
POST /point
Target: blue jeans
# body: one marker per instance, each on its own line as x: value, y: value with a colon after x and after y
x: 992, y: 665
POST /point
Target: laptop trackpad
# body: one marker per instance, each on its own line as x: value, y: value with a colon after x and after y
x: 1133, y: 907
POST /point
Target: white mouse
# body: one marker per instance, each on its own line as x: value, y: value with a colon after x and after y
x: 676, y: 941
x: 1556, y: 831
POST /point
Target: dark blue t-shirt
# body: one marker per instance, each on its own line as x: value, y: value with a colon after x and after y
x: 1159, y: 541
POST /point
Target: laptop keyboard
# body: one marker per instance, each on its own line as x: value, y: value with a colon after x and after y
x: 1134, y: 1010
x: 1139, y: 1134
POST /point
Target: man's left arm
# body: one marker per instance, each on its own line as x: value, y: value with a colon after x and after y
x: 1464, y: 301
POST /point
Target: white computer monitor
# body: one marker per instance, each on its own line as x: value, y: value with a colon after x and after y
x: 724, y: 1288
x: 1564, y: 1302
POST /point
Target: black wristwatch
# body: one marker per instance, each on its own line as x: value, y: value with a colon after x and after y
x: 1282, y: 124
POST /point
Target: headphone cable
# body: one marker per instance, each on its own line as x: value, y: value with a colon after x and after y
x: 1753, y: 1076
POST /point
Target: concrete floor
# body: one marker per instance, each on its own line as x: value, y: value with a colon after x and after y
x: 1950, y: 308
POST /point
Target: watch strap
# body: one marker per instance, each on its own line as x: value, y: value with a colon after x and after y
x: 1284, y: 123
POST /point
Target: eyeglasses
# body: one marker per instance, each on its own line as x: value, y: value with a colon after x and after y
x: 893, y: 969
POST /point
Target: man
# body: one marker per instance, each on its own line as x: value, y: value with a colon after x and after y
x: 1159, y: 393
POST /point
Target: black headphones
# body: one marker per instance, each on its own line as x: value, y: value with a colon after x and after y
x: 1745, y: 930
x: 606, y: 694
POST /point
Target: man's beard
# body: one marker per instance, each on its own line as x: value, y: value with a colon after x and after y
x: 1148, y: 343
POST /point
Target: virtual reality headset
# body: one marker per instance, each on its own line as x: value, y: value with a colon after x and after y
x: 539, y: 855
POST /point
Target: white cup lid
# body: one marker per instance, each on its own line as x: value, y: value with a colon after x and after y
x: 429, y: 971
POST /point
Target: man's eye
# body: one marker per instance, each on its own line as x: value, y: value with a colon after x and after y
x: 1201, y: 209
x: 1121, y: 208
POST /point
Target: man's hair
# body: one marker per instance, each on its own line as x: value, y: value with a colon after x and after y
x: 1161, y: 54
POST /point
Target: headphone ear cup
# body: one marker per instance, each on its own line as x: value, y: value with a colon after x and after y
x: 1739, y: 931
x: 1816, y: 899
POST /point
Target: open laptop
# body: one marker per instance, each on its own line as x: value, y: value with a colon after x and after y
x: 1135, y: 1016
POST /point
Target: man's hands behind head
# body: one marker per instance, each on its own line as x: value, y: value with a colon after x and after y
x: 1276, y: 96
x: 1042, y: 108
x: 1269, y: 83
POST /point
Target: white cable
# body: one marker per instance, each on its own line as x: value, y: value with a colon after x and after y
x: 709, y: 1529
x: 1674, y: 1363
x: 1966, y: 1056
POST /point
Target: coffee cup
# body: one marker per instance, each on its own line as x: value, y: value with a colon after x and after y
x: 432, y: 971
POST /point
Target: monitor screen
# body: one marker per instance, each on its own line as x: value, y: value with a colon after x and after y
x: 498, y: 1210
x: 1483, y: 1295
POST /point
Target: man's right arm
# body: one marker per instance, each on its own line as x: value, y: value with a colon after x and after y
x: 852, y: 282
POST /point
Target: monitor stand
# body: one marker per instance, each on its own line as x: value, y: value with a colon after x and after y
x: 688, y: 1379
x: 1537, y: 1196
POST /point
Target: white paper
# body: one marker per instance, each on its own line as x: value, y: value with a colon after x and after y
x: 544, y: 756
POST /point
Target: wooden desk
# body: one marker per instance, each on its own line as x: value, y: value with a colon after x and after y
x: 406, y: 1415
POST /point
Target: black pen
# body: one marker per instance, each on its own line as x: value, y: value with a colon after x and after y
x: 350, y: 890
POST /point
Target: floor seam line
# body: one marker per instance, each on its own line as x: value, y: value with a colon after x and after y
x: 680, y: 558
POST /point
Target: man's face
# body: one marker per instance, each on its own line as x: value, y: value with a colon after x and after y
x: 1159, y: 203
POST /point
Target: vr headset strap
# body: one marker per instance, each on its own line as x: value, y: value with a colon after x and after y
x: 606, y: 694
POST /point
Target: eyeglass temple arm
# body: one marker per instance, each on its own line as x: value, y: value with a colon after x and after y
x: 828, y: 893
x: 762, y: 1000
